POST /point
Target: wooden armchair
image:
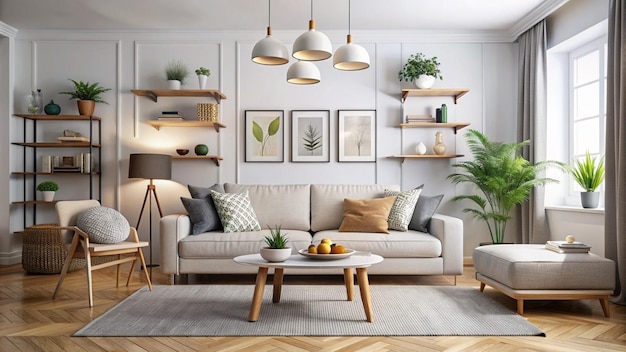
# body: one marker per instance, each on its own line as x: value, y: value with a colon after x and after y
x: 80, y: 247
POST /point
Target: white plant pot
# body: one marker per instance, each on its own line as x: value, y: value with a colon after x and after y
x: 173, y: 84
x: 48, y: 196
x: 202, y: 79
x: 425, y: 82
x: 275, y: 255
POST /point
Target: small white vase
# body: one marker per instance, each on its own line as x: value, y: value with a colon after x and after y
x: 48, y: 196
x: 202, y: 81
x: 420, y: 149
x: 275, y: 255
x: 425, y: 82
x: 173, y: 84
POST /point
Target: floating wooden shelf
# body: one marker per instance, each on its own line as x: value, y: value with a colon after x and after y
x: 186, y: 123
x: 426, y: 156
x: 456, y: 93
x: 154, y: 94
x: 59, y: 117
x: 215, y: 158
x: 454, y: 125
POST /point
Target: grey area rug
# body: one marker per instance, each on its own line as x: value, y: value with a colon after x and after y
x: 222, y: 310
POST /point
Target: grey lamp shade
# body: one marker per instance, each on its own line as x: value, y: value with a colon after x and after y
x: 152, y: 166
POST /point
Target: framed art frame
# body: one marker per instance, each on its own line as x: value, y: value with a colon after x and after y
x: 310, y: 136
x: 264, y: 136
x: 357, y: 136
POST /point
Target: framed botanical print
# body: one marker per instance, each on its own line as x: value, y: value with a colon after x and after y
x: 264, y: 136
x: 357, y: 136
x: 310, y: 136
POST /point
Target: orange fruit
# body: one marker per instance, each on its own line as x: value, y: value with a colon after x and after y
x: 323, y: 248
x: 312, y: 249
x: 337, y: 249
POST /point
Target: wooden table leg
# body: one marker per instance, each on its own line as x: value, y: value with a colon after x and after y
x: 364, y: 288
x: 278, y: 284
x: 257, y: 299
x: 348, y: 279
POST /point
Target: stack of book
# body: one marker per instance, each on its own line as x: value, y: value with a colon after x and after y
x: 170, y: 116
x: 419, y: 118
x: 566, y: 247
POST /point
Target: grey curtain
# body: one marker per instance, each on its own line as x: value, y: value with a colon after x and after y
x: 531, y: 125
x: 615, y: 162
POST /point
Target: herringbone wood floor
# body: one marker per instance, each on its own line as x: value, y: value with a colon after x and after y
x: 31, y: 321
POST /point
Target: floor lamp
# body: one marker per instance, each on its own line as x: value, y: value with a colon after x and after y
x: 150, y: 166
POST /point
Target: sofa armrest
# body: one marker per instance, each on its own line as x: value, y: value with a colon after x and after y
x: 173, y: 228
x: 449, y: 230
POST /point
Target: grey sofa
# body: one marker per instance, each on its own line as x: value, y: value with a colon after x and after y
x: 309, y: 213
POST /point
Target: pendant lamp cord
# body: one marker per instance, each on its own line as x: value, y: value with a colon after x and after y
x: 311, y: 9
x: 269, y: 12
x: 349, y: 16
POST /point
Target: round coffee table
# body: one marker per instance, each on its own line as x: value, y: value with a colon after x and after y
x: 358, y: 261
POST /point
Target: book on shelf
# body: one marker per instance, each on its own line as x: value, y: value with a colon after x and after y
x: 73, y: 139
x: 83, y: 162
x: 419, y: 118
x: 564, y: 247
x: 48, y: 162
x: 170, y: 116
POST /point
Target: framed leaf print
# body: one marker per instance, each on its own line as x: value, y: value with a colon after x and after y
x: 310, y: 136
x: 357, y: 136
x: 264, y: 136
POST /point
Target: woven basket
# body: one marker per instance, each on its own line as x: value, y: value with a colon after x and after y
x: 43, y: 250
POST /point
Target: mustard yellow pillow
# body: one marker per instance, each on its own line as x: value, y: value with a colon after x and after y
x: 366, y: 215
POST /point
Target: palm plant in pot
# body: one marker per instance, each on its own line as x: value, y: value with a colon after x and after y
x: 48, y: 189
x: 88, y: 94
x: 589, y: 174
x: 420, y: 70
x: 276, y: 250
x: 502, y: 175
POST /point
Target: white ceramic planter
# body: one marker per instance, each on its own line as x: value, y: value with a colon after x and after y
x: 48, y: 196
x: 275, y: 255
x: 425, y: 82
x: 173, y: 84
x: 202, y: 79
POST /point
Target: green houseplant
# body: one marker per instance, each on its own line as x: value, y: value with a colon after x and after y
x: 421, y: 70
x: 504, y: 178
x: 47, y: 189
x: 203, y: 75
x: 589, y: 174
x: 276, y: 250
x: 176, y: 70
x: 88, y: 94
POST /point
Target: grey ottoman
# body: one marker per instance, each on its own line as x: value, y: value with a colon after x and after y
x: 529, y: 271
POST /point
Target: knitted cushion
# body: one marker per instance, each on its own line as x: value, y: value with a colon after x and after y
x: 103, y: 225
x: 236, y: 212
x: 402, y: 209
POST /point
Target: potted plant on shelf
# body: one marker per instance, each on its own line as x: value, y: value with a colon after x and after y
x: 589, y: 175
x: 88, y: 95
x: 276, y: 250
x: 504, y: 178
x: 176, y: 72
x: 203, y: 75
x: 47, y: 189
x: 420, y: 70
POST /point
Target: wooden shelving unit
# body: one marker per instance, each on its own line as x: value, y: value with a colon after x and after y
x: 456, y: 93
x: 186, y: 123
x: 454, y: 125
x: 154, y: 94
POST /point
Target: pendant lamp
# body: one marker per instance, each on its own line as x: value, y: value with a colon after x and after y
x: 269, y: 50
x: 303, y: 72
x: 312, y: 45
x: 351, y: 57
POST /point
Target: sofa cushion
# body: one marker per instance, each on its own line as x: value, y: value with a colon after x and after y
x: 203, y: 214
x: 103, y: 225
x: 424, y: 209
x: 396, y: 244
x: 235, y: 212
x: 402, y: 209
x: 327, y: 202
x: 288, y: 206
x: 366, y: 215
x: 203, y: 192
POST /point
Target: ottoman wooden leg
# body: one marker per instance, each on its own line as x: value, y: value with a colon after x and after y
x: 520, y: 306
x: 604, y: 302
x: 482, y: 286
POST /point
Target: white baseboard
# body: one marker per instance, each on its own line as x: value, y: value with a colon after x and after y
x: 10, y: 258
x: 467, y: 261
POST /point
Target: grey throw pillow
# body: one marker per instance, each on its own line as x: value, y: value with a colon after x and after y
x: 103, y: 225
x: 201, y: 208
x: 203, y: 192
x: 424, y: 209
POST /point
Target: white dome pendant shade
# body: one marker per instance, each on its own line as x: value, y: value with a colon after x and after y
x: 303, y: 72
x: 351, y: 57
x: 270, y: 51
x: 312, y: 45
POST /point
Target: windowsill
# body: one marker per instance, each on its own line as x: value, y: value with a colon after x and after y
x: 575, y: 209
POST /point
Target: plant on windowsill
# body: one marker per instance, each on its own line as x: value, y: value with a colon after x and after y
x: 420, y: 70
x: 48, y: 189
x: 176, y: 72
x: 589, y: 174
x: 504, y: 178
x: 276, y: 250
x: 88, y: 94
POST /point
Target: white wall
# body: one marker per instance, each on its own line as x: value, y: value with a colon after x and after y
x: 125, y: 61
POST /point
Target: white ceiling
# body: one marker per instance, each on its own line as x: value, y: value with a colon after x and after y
x: 508, y: 16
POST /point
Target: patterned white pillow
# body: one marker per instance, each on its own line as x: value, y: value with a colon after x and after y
x: 402, y: 209
x: 235, y: 211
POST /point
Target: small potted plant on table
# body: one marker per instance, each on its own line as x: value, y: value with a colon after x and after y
x: 276, y: 250
x: 420, y: 70
x: 88, y: 95
x: 589, y: 175
x: 47, y: 189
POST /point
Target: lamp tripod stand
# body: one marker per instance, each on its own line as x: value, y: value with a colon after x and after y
x: 150, y: 191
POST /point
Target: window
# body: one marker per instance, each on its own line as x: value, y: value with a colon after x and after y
x: 587, y: 110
